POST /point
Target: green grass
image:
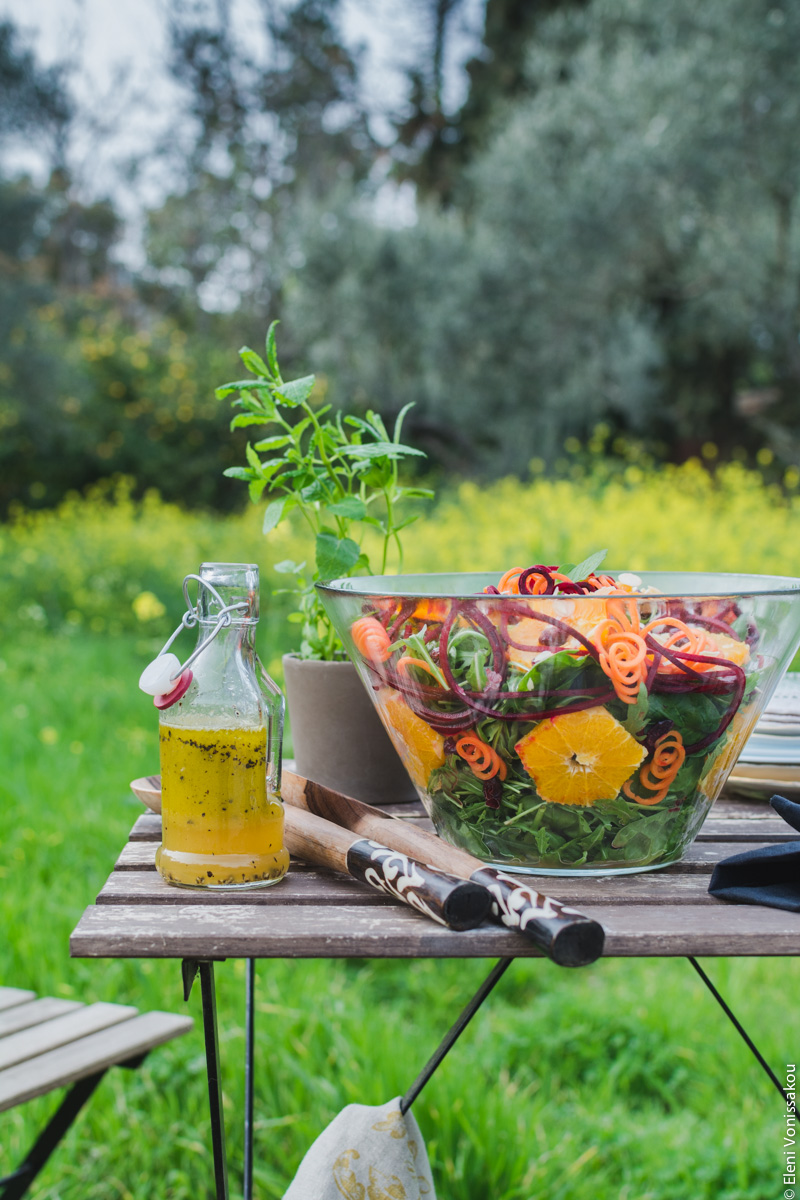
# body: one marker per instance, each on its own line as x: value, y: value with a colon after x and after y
x: 619, y: 1082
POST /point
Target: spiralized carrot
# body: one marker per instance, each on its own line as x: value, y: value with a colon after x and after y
x: 623, y: 657
x: 483, y: 760
x: 371, y: 639
x: 509, y: 582
x: 696, y: 641
x: 624, y: 660
x: 623, y: 651
x: 625, y: 613
x: 406, y: 661
x: 657, y: 776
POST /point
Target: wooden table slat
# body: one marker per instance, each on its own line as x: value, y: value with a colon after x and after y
x: 731, y: 829
x: 323, y: 931
x: 651, y: 887
x: 301, y: 886
x: 728, y: 807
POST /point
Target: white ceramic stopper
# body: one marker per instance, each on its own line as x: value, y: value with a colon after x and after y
x: 156, y: 678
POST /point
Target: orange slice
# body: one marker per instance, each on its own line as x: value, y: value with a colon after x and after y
x: 420, y: 747
x: 730, y: 648
x: 431, y: 610
x: 581, y: 757
x: 584, y: 615
x: 717, y: 770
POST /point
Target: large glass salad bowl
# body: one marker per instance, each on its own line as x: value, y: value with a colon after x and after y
x: 561, y: 727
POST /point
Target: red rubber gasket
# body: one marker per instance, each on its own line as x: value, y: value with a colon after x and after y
x: 167, y: 699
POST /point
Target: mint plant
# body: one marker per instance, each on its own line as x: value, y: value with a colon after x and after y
x: 341, y: 473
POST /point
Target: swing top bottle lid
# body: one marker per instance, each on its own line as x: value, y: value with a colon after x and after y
x: 234, y: 583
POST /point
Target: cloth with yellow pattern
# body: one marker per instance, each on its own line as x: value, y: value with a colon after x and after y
x: 366, y: 1153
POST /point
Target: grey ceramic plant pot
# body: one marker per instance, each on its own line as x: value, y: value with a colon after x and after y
x: 337, y: 735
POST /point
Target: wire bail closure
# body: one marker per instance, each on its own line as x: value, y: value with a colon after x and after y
x: 167, y: 681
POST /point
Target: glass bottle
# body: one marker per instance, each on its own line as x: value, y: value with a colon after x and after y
x: 220, y: 741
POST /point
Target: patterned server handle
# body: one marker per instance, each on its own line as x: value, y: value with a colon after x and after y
x: 566, y: 935
x: 457, y: 903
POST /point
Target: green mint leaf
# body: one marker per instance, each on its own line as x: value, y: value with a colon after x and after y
x: 242, y: 385
x: 272, y: 353
x: 314, y: 491
x: 299, y: 429
x: 254, y: 362
x: 375, y: 422
x: 238, y: 473
x: 274, y: 443
x: 256, y: 488
x: 352, y: 508
x: 381, y: 450
x: 272, y: 515
x: 270, y: 468
x: 398, y: 425
x: 358, y: 423
x: 589, y: 565
x: 249, y: 418
x: 295, y: 392
x: 252, y: 458
x: 335, y: 556
x: 408, y: 521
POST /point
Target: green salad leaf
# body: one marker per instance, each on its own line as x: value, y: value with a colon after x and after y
x: 588, y: 567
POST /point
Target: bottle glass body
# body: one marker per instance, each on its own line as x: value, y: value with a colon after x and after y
x: 220, y: 745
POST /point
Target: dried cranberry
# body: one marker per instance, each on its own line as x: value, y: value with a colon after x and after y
x: 493, y: 792
x: 551, y: 636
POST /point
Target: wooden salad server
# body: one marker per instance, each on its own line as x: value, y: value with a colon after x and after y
x: 451, y: 900
x: 567, y: 936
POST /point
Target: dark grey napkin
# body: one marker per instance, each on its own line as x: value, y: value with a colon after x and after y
x: 768, y: 876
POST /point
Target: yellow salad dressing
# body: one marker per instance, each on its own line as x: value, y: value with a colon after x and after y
x: 220, y: 825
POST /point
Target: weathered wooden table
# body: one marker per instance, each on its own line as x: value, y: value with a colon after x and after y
x: 315, y: 913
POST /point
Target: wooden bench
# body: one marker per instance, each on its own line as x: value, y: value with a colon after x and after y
x: 48, y: 1043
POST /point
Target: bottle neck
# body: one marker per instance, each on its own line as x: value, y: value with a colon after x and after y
x: 224, y: 584
x: 239, y: 635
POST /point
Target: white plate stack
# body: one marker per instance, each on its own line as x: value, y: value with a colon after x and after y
x: 770, y: 761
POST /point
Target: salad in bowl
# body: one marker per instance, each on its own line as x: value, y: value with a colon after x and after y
x: 568, y: 720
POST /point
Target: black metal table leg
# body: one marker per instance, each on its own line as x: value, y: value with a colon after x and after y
x: 454, y: 1032
x: 249, y: 1077
x: 740, y: 1029
x: 213, y: 1069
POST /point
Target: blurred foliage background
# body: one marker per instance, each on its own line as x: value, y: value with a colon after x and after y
x: 604, y: 235
x: 585, y: 275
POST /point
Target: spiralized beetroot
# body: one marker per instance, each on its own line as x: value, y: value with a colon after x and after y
x: 424, y: 699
